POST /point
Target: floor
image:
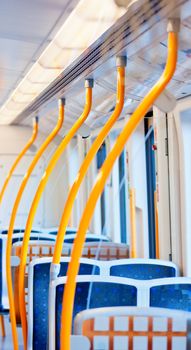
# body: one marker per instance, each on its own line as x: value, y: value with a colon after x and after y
x: 6, y: 343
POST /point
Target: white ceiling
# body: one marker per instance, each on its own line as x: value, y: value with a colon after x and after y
x: 146, y: 59
x: 26, y: 27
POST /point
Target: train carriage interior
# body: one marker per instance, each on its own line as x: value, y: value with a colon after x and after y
x: 95, y: 169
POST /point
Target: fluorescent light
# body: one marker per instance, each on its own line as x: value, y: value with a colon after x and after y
x: 86, y: 23
x: 15, y: 106
x: 30, y: 88
x: 43, y: 75
x: 20, y: 97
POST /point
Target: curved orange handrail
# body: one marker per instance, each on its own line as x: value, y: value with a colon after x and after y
x: 137, y: 116
x: 52, y: 163
x: 13, y: 218
x: 19, y: 157
x: 121, y: 63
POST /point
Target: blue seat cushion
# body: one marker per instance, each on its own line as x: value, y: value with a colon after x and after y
x: 89, y: 239
x: 67, y: 232
x: 4, y: 232
x: 14, y: 240
x: 176, y: 296
x: 142, y: 271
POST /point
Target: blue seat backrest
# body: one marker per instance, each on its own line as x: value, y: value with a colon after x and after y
x: 176, y: 296
x: 102, y: 294
x: 40, y: 299
x: 18, y: 239
x: 88, y: 239
x: 66, y: 233
x: 4, y: 232
x: 142, y: 271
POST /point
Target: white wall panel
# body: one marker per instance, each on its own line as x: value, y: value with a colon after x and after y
x: 182, y: 115
x: 137, y: 173
x: 12, y: 140
x: 163, y: 193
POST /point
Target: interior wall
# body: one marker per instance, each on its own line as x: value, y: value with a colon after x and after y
x: 175, y: 191
x: 137, y: 174
x: 12, y: 140
x: 162, y: 184
x: 183, y: 124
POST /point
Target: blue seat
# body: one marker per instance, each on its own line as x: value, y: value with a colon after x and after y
x: 90, y: 237
x: 39, y: 271
x: 34, y: 236
x: 18, y: 230
x: 172, y: 295
x: 69, y: 231
x: 91, y: 292
x: 39, y: 277
x: 16, y: 252
x: 99, y: 291
x: 143, y: 269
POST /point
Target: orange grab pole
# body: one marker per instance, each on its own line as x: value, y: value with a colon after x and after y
x: 137, y: 116
x: 133, y: 243
x: 2, y: 326
x: 36, y: 200
x: 17, y: 160
x: 121, y: 63
x: 13, y: 218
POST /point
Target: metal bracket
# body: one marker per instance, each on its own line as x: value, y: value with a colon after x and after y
x: 121, y: 61
x: 36, y: 119
x: 61, y: 101
x: 89, y: 83
x: 173, y: 25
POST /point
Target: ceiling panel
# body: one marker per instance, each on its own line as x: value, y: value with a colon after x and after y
x: 15, y: 54
x: 146, y: 59
x: 26, y: 27
x: 29, y: 20
x: 144, y: 66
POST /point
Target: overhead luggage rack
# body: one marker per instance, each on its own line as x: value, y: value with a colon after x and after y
x: 131, y: 28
